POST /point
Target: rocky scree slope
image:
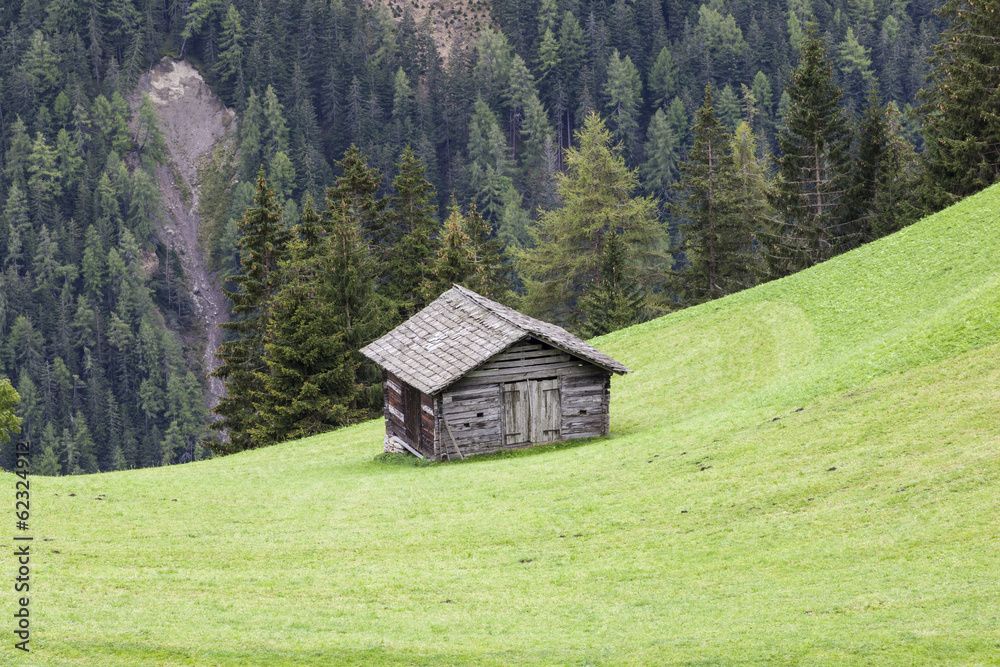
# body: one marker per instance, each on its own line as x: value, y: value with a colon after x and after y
x: 193, y: 121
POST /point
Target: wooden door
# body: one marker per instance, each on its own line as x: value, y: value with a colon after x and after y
x: 516, y: 413
x: 532, y: 411
x: 546, y: 410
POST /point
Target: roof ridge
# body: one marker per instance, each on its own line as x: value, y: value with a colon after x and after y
x: 474, y: 297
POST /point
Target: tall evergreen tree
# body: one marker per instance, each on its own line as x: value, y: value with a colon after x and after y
x: 624, y: 93
x: 454, y: 263
x: 660, y: 170
x: 358, y: 187
x: 306, y: 385
x: 961, y: 121
x: 714, y: 239
x: 263, y: 246
x: 813, y: 166
x: 413, y: 218
x: 754, y: 186
x: 491, y: 265
x: 879, y: 199
x: 615, y: 300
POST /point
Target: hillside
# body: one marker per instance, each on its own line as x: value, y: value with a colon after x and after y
x: 107, y: 325
x: 803, y: 473
x: 453, y: 24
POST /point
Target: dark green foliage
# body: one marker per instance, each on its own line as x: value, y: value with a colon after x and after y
x: 358, y: 188
x: 413, y: 219
x: 468, y: 256
x: 306, y: 382
x: 880, y: 198
x: 313, y: 378
x: 616, y: 299
x: 960, y: 105
x: 716, y: 240
x: 454, y: 263
x: 99, y: 296
x: 263, y: 246
x: 813, y: 166
x: 492, y: 267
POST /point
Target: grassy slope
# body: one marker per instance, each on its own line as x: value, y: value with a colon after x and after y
x: 804, y: 473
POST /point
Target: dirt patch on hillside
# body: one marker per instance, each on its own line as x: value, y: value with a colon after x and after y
x: 193, y: 122
x: 454, y: 24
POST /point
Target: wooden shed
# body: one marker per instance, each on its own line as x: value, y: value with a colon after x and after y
x: 467, y: 375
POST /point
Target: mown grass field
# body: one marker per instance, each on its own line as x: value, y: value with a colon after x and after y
x: 803, y: 474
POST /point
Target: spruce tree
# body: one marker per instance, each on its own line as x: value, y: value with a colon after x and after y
x: 307, y: 381
x: 879, y: 199
x: 961, y: 121
x: 660, y: 170
x: 615, y: 300
x: 360, y: 312
x: 624, y: 93
x: 358, y: 187
x: 714, y: 239
x: 262, y: 247
x: 413, y: 219
x: 753, y: 186
x: 491, y: 274
x: 454, y: 263
x: 813, y: 166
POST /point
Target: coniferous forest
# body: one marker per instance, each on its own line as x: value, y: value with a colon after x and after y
x: 592, y: 163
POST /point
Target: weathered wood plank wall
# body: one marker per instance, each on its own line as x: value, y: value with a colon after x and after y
x: 524, y: 361
x: 473, y: 413
x: 421, y: 434
x: 392, y: 393
x: 586, y: 400
x: 427, y: 446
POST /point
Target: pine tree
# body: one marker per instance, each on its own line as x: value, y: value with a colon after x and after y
x: 753, y: 186
x: 615, y: 301
x: 231, y: 54
x: 879, y: 198
x: 597, y: 200
x: 961, y: 123
x: 813, y: 166
x: 413, y: 219
x: 714, y: 239
x: 262, y: 247
x: 491, y: 265
x: 624, y: 93
x: 660, y: 170
x: 358, y: 187
x: 360, y: 313
x: 454, y: 263
x: 307, y: 381
x: 663, y: 79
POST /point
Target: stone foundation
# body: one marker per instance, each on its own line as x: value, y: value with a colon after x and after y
x: 393, y: 445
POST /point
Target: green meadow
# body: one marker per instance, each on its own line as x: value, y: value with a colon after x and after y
x: 805, y: 473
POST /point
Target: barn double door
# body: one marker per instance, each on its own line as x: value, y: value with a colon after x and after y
x: 532, y: 411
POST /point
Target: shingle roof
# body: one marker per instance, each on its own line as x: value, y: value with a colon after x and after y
x: 460, y: 330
